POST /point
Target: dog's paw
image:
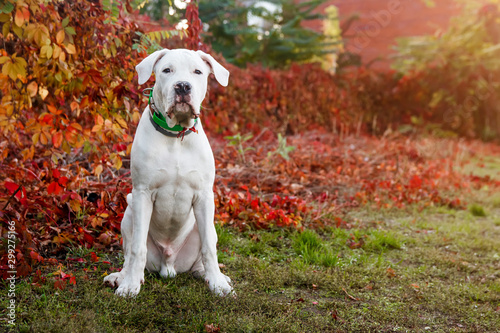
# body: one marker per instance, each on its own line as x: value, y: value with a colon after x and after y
x: 228, y: 279
x: 219, y: 284
x: 114, y: 279
x: 128, y: 289
x: 168, y: 271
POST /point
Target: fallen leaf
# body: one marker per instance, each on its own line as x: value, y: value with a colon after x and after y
x: 351, y: 297
x: 211, y: 328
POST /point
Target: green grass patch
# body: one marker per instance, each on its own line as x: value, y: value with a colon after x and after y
x: 477, y: 210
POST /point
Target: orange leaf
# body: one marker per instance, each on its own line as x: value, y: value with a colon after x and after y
x: 99, y: 120
x: 19, y: 18
x: 44, y: 138
x: 53, y: 109
x: 26, y: 13
x: 74, y: 105
x: 32, y: 88
x: 60, y: 37
x: 57, y: 139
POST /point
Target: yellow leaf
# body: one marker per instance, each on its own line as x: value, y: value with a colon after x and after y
x: 6, y: 28
x: 70, y: 48
x: 18, y: 31
x: 57, y: 52
x: 75, y: 205
x: 4, y: 17
x: 98, y: 170
x: 60, y: 37
x: 18, y: 70
x: 136, y: 116
x: 41, y: 35
x: 20, y: 61
x: 6, y: 69
x: 117, y: 161
x: 43, y: 92
x: 121, y: 121
x: 46, y: 51
x: 35, y: 138
x: 32, y: 88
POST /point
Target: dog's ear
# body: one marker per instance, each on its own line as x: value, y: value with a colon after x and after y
x: 145, y: 67
x: 221, y: 74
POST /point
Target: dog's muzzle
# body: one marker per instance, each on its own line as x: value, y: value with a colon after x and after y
x: 182, y: 104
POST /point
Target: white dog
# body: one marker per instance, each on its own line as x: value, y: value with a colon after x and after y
x: 168, y: 226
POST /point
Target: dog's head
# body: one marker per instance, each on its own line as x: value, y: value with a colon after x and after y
x: 181, y: 82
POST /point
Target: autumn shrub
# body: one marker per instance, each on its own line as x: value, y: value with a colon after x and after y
x: 460, y: 68
x: 68, y: 108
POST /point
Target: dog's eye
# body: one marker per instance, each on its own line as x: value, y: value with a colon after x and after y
x: 198, y: 72
x: 166, y: 70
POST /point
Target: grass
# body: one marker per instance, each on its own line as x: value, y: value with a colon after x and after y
x: 477, y: 210
x: 430, y: 271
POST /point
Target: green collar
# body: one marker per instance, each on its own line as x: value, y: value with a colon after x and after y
x: 159, y: 121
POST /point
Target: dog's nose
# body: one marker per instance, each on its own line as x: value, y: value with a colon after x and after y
x: 182, y: 88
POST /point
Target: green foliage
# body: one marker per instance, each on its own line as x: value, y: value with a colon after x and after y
x: 159, y: 9
x: 151, y: 41
x: 283, y: 149
x: 237, y: 142
x: 281, y: 40
x: 477, y: 210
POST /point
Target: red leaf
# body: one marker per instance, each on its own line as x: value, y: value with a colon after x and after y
x: 63, y: 181
x: 36, y: 256
x: 415, y: 182
x: 59, y: 284
x: 13, y: 187
x: 94, y: 257
x: 54, y: 188
x: 89, y: 239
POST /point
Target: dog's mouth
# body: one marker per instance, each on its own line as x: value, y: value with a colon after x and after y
x: 182, y: 111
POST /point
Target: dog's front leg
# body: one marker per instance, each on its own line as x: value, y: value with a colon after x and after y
x: 133, y: 275
x: 204, y: 209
